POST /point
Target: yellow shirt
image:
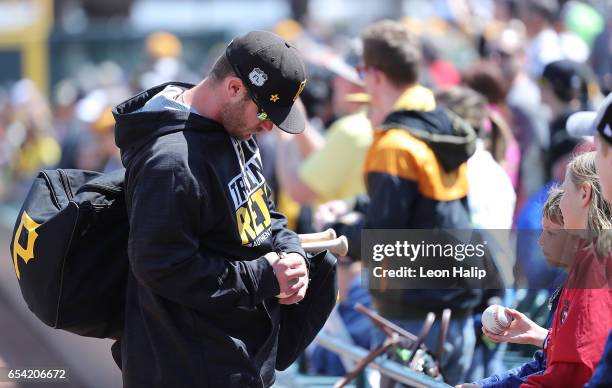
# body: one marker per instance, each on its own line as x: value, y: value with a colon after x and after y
x: 41, y: 152
x: 336, y: 170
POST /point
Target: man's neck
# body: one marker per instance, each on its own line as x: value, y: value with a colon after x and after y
x: 204, y: 99
x: 389, y: 97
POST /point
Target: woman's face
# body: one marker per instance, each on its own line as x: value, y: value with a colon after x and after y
x: 574, y: 204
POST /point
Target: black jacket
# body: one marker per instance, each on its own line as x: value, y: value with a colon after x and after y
x: 416, y: 178
x: 200, y: 307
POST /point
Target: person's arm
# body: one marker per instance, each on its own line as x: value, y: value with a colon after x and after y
x: 292, y: 150
x: 288, y: 162
x: 561, y: 374
x: 308, y: 141
x: 522, y: 330
x: 515, y: 377
x: 166, y: 210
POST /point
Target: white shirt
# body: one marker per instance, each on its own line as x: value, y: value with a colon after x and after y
x: 491, y: 196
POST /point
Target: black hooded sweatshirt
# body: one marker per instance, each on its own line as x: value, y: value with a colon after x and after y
x: 201, y: 308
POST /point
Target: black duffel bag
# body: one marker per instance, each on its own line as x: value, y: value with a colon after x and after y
x: 301, y: 322
x: 69, y: 251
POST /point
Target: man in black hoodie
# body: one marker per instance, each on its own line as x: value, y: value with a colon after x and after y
x: 416, y: 178
x: 210, y: 258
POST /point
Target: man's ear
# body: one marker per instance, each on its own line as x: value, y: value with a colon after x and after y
x: 234, y: 88
x: 585, y: 194
x: 379, y: 76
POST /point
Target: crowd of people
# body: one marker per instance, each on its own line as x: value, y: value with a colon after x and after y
x: 399, y: 135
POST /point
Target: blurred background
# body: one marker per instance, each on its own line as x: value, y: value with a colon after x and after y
x: 65, y: 63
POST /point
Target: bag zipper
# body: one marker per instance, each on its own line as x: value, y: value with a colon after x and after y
x: 51, y: 189
x: 65, y: 184
x: 104, y: 188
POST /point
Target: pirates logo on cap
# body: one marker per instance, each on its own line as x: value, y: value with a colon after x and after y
x: 258, y: 77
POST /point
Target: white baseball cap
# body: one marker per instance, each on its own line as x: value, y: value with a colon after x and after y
x: 587, y: 123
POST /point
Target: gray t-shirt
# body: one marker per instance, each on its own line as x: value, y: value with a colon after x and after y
x: 167, y: 99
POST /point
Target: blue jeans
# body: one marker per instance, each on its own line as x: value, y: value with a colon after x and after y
x: 458, y: 348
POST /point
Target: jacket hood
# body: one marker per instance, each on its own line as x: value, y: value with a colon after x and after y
x: 451, y: 139
x: 134, y: 128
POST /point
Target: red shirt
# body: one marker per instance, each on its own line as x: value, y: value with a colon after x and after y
x: 582, y: 322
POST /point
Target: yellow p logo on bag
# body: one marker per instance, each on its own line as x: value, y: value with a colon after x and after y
x: 26, y: 253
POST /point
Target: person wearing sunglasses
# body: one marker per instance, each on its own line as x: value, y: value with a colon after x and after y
x: 211, y: 261
x: 415, y: 174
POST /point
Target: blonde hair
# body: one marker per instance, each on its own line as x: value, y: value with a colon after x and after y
x: 551, y: 209
x: 581, y: 171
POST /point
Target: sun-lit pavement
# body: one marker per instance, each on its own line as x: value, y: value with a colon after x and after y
x: 3, y: 364
x: 22, y: 349
x: 21, y: 346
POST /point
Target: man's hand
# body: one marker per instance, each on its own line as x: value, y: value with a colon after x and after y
x: 292, y: 276
x: 330, y: 212
x: 302, y: 283
x: 522, y: 330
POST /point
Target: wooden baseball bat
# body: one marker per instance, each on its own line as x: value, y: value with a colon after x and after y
x: 326, y: 235
x: 337, y: 246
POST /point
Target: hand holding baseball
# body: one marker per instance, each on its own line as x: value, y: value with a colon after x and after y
x: 495, y: 319
x: 521, y: 330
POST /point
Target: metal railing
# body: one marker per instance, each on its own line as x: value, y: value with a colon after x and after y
x: 386, y: 367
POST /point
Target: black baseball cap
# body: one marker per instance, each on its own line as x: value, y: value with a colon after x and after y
x: 565, y: 77
x: 274, y: 75
x: 586, y: 123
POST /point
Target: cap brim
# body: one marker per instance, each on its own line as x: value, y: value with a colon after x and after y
x: 289, y: 120
x: 581, y: 124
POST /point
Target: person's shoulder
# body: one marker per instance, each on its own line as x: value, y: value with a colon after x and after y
x: 188, y: 148
x: 169, y: 152
x: 188, y: 140
x: 397, y: 152
x: 401, y: 141
x: 353, y: 124
x: 172, y: 144
x: 349, y: 133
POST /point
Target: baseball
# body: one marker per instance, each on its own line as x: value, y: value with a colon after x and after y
x: 495, y: 319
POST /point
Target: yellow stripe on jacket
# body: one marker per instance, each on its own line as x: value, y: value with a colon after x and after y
x: 396, y: 152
